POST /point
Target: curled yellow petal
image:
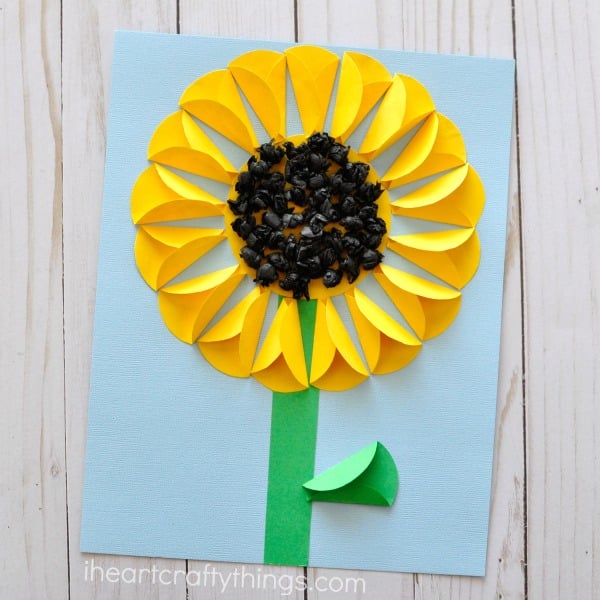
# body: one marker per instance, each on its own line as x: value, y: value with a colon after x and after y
x: 231, y: 344
x: 280, y: 364
x: 436, y: 147
x: 336, y: 364
x: 429, y: 308
x: 180, y: 143
x: 363, y: 80
x: 162, y: 253
x: 312, y: 71
x: 452, y: 256
x: 260, y: 74
x: 405, y: 104
x: 386, y: 344
x: 215, y: 100
x: 160, y: 195
x: 188, y: 307
x: 456, y: 198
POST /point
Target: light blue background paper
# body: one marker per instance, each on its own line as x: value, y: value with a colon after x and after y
x: 177, y: 453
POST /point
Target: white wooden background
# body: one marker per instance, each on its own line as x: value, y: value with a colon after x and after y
x: 55, y: 58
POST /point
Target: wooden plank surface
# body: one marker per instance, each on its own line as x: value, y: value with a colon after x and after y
x: 54, y: 81
x: 558, y: 50
x: 33, y: 510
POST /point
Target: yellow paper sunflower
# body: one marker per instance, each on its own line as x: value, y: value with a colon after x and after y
x: 425, y: 162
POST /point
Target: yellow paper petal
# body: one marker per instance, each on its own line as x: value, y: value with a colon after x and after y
x: 188, y: 307
x: 452, y: 256
x: 386, y: 344
x: 429, y: 308
x: 363, y: 81
x: 280, y: 364
x: 404, y: 105
x: 160, y: 195
x: 261, y: 77
x: 215, y: 100
x: 312, y: 71
x: 456, y: 198
x: 161, y: 253
x: 336, y: 364
x: 436, y: 147
x: 231, y: 344
x: 180, y: 143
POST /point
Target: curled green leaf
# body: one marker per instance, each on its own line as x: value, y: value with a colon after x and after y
x: 367, y: 477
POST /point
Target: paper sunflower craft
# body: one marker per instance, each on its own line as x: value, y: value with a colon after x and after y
x: 309, y: 220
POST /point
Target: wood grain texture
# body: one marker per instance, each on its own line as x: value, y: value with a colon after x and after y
x: 33, y: 524
x: 558, y: 52
x: 88, y: 29
x: 485, y: 29
x: 261, y: 19
x: 52, y: 140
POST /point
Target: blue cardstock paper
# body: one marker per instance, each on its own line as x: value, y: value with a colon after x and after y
x: 177, y: 453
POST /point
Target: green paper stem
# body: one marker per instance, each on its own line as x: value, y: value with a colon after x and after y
x: 292, y: 462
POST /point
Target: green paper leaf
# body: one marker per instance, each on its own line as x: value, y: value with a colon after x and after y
x: 367, y: 477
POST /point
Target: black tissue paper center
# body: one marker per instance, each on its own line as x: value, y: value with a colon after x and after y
x: 306, y: 212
